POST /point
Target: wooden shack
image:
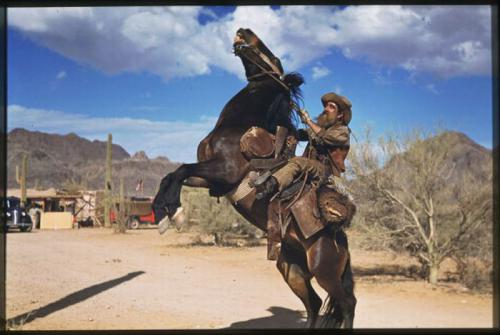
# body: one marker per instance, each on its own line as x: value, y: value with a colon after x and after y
x: 84, y: 208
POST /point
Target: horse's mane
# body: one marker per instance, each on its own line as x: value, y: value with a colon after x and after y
x: 280, y: 113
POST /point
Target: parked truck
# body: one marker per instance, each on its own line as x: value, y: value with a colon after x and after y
x: 139, y: 212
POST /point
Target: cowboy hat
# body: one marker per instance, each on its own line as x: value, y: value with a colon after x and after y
x: 342, y: 102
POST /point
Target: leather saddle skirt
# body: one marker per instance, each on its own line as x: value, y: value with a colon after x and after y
x: 304, y: 210
x: 313, y: 210
x: 257, y: 142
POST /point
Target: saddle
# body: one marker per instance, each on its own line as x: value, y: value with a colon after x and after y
x: 257, y: 142
x: 264, y: 149
x: 258, y: 146
x: 312, y: 207
x: 313, y: 210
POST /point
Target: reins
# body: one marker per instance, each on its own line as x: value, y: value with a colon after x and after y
x: 262, y: 74
x: 275, y: 71
x: 266, y: 60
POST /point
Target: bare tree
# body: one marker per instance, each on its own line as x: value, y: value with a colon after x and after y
x: 414, y: 199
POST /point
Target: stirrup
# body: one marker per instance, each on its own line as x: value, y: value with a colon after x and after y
x: 267, y: 190
x: 261, y: 195
x: 261, y: 179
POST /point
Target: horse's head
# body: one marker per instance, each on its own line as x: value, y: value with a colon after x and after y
x: 256, y: 57
x: 260, y: 64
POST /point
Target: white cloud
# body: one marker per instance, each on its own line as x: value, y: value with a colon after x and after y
x: 177, y: 140
x: 419, y: 38
x: 170, y: 42
x: 61, y: 75
x: 431, y: 88
x: 319, y: 72
x: 382, y: 76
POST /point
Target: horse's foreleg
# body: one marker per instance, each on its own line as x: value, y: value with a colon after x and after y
x: 167, y: 200
x: 294, y: 270
x: 196, y: 182
x: 160, y: 200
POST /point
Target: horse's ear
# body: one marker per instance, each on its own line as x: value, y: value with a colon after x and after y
x: 246, y: 32
x: 253, y: 39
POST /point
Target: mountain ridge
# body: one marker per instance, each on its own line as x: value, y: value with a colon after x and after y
x: 69, y: 160
x: 54, y: 161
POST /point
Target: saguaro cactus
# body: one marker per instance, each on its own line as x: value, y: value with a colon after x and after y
x: 108, y: 184
x: 122, y: 212
x: 21, y: 178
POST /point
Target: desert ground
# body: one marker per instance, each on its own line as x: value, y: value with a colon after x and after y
x: 96, y: 279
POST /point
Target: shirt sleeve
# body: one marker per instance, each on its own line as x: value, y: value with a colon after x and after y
x: 334, y: 135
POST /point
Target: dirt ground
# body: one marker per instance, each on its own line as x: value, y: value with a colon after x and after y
x: 95, y: 279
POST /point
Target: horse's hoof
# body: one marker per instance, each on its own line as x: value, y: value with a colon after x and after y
x: 179, y: 218
x: 163, y: 225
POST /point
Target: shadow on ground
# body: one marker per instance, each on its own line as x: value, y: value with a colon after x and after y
x: 69, y: 300
x: 281, y: 318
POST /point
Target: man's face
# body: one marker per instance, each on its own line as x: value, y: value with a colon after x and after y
x: 332, y: 110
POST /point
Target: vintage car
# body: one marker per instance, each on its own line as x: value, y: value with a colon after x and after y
x: 140, y: 213
x: 134, y: 221
x: 17, y: 217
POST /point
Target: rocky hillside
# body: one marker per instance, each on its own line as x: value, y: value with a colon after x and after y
x: 69, y: 161
x: 457, y: 156
x: 454, y: 169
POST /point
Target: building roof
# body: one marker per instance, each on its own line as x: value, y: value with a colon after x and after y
x: 48, y: 193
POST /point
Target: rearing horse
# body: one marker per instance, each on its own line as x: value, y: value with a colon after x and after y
x: 266, y: 102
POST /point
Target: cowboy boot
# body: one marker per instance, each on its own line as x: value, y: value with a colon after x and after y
x: 270, y: 186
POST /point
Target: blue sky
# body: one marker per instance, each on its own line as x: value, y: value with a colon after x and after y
x: 157, y: 77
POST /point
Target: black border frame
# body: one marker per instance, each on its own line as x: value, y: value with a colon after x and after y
x: 96, y: 3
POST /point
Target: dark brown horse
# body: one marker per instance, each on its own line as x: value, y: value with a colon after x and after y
x: 265, y: 102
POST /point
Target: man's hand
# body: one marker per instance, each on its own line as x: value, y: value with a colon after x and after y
x: 304, y: 116
x: 306, y: 119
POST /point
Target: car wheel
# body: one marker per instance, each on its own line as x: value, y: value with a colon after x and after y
x: 26, y: 229
x: 133, y: 223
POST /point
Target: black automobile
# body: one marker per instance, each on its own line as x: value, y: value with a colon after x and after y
x: 17, y: 217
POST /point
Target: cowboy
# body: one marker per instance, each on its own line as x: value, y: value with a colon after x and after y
x: 329, y: 145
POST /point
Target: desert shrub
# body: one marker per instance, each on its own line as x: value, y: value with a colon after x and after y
x: 417, y: 193
x: 216, y: 217
x: 476, y: 274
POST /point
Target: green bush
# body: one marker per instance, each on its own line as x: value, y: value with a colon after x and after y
x: 212, y: 216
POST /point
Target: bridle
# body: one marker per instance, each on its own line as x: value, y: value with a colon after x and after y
x: 265, y: 59
x: 275, y: 74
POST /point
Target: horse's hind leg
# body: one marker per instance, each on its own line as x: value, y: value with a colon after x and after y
x: 327, y: 262
x: 293, y: 268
